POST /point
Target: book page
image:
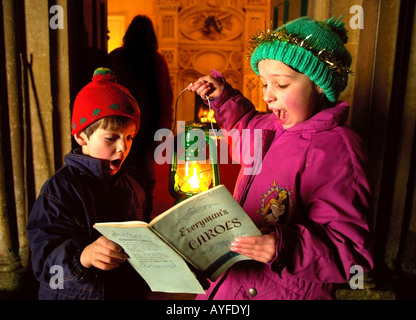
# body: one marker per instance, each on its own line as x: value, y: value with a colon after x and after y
x: 159, y: 265
x: 203, y: 227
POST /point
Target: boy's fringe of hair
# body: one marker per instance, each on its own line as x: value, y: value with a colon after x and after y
x: 108, y: 123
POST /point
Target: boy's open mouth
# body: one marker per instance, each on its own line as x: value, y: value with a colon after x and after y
x: 116, y: 163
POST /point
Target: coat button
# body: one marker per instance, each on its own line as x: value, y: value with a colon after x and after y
x: 252, y: 292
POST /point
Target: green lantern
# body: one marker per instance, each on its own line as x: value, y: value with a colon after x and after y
x: 194, y: 167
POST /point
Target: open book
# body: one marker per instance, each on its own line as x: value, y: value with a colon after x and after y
x: 198, y: 230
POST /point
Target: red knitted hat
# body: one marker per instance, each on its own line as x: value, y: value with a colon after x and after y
x: 103, y: 97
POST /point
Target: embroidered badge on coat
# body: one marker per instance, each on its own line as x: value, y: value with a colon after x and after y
x: 275, y: 204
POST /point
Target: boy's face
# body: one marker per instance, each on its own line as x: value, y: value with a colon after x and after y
x: 290, y: 95
x: 110, y: 146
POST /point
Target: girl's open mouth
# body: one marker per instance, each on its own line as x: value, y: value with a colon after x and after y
x: 282, y: 115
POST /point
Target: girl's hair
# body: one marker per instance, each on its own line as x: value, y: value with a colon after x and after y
x: 324, y: 102
x: 108, y: 123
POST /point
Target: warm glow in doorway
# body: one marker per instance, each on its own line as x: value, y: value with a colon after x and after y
x: 116, y: 27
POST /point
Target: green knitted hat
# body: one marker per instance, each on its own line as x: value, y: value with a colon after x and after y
x: 313, y: 48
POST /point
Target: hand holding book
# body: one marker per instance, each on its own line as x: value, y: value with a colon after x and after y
x: 259, y: 248
x: 198, y: 231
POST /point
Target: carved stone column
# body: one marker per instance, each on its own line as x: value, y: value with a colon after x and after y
x: 257, y: 16
x: 9, y: 258
x: 167, y: 34
x: 34, y: 121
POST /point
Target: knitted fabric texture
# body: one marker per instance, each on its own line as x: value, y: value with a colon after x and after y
x: 103, y: 97
x: 318, y: 51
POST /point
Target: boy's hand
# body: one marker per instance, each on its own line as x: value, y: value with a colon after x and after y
x: 207, y: 86
x: 260, y: 248
x: 103, y: 254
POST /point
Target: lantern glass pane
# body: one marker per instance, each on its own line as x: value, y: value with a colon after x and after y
x: 193, y: 177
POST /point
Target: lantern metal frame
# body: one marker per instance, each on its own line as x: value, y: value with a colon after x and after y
x: 188, y: 151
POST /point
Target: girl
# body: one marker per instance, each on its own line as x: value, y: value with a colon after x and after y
x: 322, y: 229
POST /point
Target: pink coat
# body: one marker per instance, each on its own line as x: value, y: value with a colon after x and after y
x: 312, y: 191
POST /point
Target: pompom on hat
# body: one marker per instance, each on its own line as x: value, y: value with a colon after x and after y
x: 314, y: 48
x: 103, y: 97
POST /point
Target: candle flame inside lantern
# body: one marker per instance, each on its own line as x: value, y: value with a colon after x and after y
x: 193, y: 180
x: 194, y: 177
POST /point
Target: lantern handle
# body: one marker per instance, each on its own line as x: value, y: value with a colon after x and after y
x: 176, y: 108
x: 212, y: 125
x: 209, y: 106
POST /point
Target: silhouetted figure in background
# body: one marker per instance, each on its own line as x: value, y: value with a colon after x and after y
x: 144, y: 71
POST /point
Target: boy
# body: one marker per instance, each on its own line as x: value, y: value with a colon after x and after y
x: 90, y: 188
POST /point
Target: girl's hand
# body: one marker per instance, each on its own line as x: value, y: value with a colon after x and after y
x: 207, y: 86
x: 260, y: 248
x: 103, y: 254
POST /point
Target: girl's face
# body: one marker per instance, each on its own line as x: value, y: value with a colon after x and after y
x: 290, y: 95
x: 111, y: 146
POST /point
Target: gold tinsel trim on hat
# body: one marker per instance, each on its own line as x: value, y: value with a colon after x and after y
x: 327, y: 57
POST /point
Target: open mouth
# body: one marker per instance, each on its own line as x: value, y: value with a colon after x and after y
x: 116, y: 164
x: 282, y: 115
